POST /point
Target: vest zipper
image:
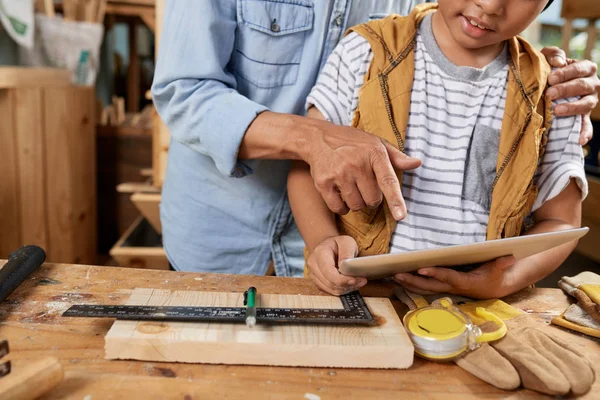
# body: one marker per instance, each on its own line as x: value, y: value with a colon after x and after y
x: 522, y: 133
x: 383, y: 83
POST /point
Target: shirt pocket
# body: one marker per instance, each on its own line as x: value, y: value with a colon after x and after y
x: 480, y: 166
x: 270, y: 40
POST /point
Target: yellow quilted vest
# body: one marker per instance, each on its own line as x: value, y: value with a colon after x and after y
x: 384, y: 104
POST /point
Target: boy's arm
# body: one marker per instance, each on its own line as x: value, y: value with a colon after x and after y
x: 560, y: 213
x: 562, y: 186
x: 503, y: 276
x: 318, y: 228
x: 314, y: 219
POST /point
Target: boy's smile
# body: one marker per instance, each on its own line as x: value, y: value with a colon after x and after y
x: 472, y: 32
x: 474, y: 27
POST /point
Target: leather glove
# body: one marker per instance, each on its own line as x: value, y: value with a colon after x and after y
x: 584, y: 316
x: 527, y: 355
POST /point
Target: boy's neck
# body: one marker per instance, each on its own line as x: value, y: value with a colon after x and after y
x: 457, y: 54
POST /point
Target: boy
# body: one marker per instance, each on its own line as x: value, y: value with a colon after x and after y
x: 453, y: 86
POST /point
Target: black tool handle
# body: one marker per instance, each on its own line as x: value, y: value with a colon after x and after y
x: 21, y: 263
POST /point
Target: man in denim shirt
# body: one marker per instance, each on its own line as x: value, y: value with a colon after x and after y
x: 231, y: 81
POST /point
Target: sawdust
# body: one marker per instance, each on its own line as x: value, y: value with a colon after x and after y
x: 57, y: 306
x: 311, y: 396
x: 72, y: 297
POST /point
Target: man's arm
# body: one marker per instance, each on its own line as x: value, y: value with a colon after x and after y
x: 197, y: 98
x: 193, y: 92
x: 314, y: 219
x: 317, y: 225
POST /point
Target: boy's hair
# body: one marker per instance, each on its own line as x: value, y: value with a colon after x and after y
x: 548, y: 5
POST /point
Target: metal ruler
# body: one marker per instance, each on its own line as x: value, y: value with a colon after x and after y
x: 355, y: 311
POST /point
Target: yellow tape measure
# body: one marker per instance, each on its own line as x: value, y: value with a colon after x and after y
x: 443, y: 332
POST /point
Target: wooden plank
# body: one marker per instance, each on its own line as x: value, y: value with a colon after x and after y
x: 141, y: 257
x: 133, y: 71
x: 580, y: 9
x: 590, y: 216
x: 159, y: 11
x: 32, y: 323
x: 136, y: 187
x: 133, y: 2
x: 71, y: 173
x: 146, y: 172
x: 101, y: 12
x: 160, y: 136
x: 149, y: 19
x: 160, y: 151
x: 138, y: 257
x: 592, y: 39
x: 49, y: 8
x: 567, y: 33
x: 385, y: 345
x: 131, y: 10
x: 10, y: 235
x: 148, y: 205
x: 29, y: 134
x: 91, y: 10
x: 11, y: 77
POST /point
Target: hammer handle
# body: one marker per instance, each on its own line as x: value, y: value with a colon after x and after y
x: 21, y: 263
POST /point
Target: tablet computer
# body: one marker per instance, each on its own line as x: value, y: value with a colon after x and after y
x: 475, y: 253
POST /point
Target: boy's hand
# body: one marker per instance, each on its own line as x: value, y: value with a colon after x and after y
x: 574, y: 78
x: 487, y: 281
x: 324, y: 261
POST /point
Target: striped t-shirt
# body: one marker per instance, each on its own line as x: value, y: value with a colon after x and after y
x: 454, y: 127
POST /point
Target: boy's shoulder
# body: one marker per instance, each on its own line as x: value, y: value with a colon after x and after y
x: 395, y: 25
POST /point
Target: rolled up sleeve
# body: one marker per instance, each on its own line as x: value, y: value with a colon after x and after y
x: 193, y: 91
x: 563, y: 160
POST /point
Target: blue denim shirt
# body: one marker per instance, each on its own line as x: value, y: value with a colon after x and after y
x: 220, y: 64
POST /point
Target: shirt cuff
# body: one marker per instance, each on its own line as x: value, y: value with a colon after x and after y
x: 560, y: 180
x: 228, y: 119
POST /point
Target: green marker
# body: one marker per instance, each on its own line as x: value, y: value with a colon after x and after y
x: 250, y: 303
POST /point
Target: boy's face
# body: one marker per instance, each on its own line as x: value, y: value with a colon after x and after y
x: 479, y: 23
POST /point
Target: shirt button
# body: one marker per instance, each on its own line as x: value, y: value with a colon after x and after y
x: 275, y: 26
x: 339, y: 19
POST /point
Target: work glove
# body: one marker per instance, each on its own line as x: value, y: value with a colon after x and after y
x: 584, y: 316
x: 528, y: 355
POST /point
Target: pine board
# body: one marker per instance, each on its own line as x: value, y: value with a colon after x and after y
x: 385, y: 345
x: 10, y: 234
x: 29, y: 136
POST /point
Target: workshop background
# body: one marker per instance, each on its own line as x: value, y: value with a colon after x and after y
x: 83, y: 152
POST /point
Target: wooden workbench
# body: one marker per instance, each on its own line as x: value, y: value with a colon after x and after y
x: 30, y: 320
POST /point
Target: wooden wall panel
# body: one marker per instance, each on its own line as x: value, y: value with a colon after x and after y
x: 29, y: 136
x: 70, y: 174
x: 10, y: 235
